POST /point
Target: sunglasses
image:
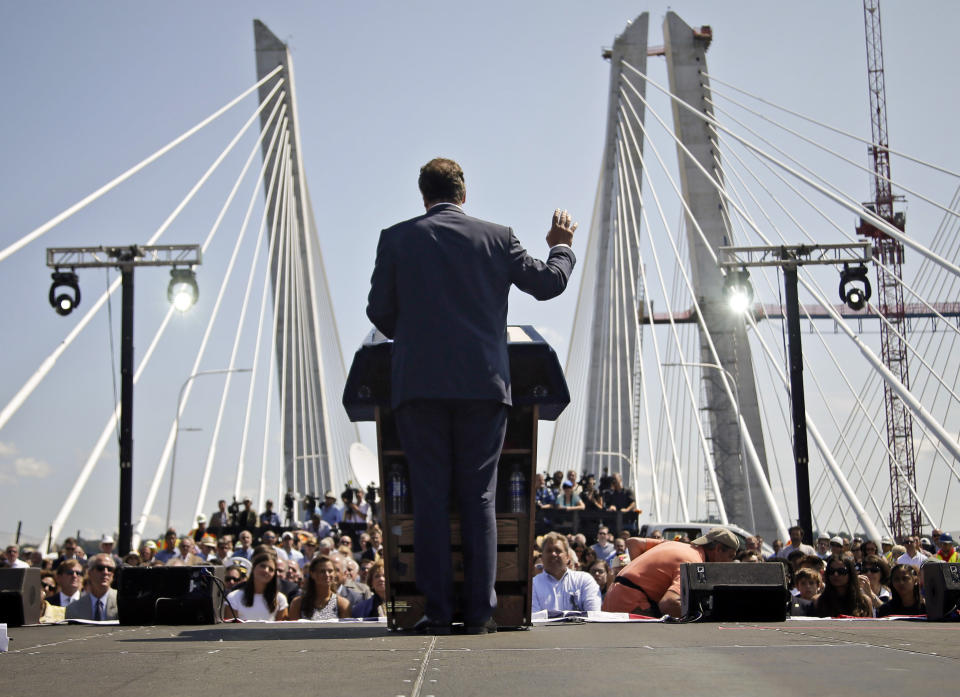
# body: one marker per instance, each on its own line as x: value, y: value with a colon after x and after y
x: 233, y: 579
x: 104, y: 568
x: 873, y: 569
x: 838, y: 572
x: 71, y: 572
x: 49, y: 586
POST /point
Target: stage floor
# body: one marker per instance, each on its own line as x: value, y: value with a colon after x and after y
x: 812, y: 657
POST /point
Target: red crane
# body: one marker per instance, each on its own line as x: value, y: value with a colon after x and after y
x: 905, y: 511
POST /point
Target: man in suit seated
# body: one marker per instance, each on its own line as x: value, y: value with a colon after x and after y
x: 69, y: 582
x: 439, y: 289
x: 99, y: 603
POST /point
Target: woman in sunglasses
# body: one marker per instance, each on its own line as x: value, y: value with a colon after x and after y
x: 877, y: 571
x: 843, y: 593
x: 258, y: 597
x: 906, y: 593
x: 234, y: 576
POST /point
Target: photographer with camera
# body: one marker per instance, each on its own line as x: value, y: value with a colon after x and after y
x: 589, y: 494
x: 355, y: 509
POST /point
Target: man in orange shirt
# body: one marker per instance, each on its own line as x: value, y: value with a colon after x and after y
x: 650, y: 583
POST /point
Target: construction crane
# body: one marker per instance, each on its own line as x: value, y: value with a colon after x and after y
x: 905, y: 512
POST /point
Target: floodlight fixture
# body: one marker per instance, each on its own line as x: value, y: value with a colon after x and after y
x: 183, y: 291
x: 61, y: 301
x: 738, y: 290
x: 855, y: 288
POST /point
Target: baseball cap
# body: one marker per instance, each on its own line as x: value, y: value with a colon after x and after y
x: 823, y: 536
x: 567, y: 482
x: 106, y: 540
x: 886, y: 540
x: 721, y: 535
x: 946, y: 538
x: 329, y: 495
x: 287, y: 535
x: 836, y: 540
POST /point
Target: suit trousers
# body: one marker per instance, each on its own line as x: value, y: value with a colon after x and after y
x: 454, y: 445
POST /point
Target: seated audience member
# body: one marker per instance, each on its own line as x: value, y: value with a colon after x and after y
x: 258, y: 598
x: 309, y: 547
x: 749, y: 556
x: 585, y: 558
x: 289, y: 588
x: 71, y: 550
x: 106, y: 547
x: 69, y: 581
x: 99, y: 603
x: 617, y: 497
x: 132, y: 559
x: 12, y: 557
x: 186, y: 554
x: 794, y: 558
x: 198, y: 532
x: 317, y: 527
x: 886, y: 549
x: 169, y: 547
x: 843, y: 593
x: 287, y: 549
x: 375, y: 550
x: 912, y: 556
x: 906, y: 598
x: 374, y: 606
x: 148, y: 550
x: 601, y: 573
x: 620, y: 546
x: 870, y: 547
x: 234, y: 576
x: 208, y: 549
x: 796, y: 543
x: 877, y: 571
x: 48, y: 584
x: 837, y: 547
x: 947, y: 553
x: 823, y: 545
x: 244, y: 546
x: 650, y: 583
x: 604, y: 547
x: 560, y: 587
x: 320, y: 600
x: 225, y: 549
x: 808, y: 584
x: 352, y: 590
x: 568, y: 499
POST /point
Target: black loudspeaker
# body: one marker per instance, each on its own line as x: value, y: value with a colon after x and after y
x: 150, y: 595
x: 730, y: 591
x: 21, y: 597
x: 941, y: 589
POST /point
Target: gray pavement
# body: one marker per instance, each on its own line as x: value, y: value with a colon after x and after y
x: 789, y: 658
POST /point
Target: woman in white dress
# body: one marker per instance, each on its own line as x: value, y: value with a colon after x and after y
x: 320, y: 600
x: 258, y: 598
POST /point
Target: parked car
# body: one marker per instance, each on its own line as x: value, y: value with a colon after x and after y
x: 693, y: 530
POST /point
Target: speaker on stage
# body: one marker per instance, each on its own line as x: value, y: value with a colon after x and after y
x: 941, y: 589
x: 21, y: 597
x: 732, y: 592
x: 170, y: 595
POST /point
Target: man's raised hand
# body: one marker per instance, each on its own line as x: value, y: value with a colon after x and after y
x: 562, y: 229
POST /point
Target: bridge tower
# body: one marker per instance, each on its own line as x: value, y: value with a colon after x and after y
x: 685, y: 51
x: 317, y: 435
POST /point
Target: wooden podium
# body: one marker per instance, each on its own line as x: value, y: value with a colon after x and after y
x: 539, y: 392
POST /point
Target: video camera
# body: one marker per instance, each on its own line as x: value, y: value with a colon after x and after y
x: 234, y: 510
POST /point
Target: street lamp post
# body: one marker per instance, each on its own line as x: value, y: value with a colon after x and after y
x: 182, y: 259
x: 743, y: 457
x: 176, y: 434
x: 735, y: 260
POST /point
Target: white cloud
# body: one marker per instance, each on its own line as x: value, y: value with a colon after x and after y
x: 7, y: 449
x: 32, y: 467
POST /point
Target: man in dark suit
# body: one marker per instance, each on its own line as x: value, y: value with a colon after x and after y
x: 439, y: 290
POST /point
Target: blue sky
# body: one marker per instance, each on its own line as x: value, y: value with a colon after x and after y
x: 514, y: 91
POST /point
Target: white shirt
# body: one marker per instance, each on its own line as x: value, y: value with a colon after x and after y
x: 916, y: 561
x: 293, y: 555
x: 259, y: 609
x: 67, y: 599
x: 19, y: 564
x: 576, y: 590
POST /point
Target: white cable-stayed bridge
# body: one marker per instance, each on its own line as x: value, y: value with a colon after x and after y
x: 649, y: 309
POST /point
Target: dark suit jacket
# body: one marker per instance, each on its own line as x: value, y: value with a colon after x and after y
x: 439, y: 290
x: 82, y: 608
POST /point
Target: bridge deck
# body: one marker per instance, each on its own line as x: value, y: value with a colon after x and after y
x: 791, y: 658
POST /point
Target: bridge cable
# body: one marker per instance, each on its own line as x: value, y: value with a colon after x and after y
x: 47, y: 364
x: 67, y: 507
x: 83, y: 203
x: 172, y: 434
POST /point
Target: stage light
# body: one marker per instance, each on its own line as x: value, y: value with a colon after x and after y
x: 183, y: 291
x: 61, y: 301
x: 859, y: 290
x: 738, y: 290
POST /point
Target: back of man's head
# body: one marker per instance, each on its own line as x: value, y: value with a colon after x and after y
x: 441, y: 181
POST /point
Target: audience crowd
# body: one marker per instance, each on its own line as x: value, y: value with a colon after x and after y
x: 331, y: 565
